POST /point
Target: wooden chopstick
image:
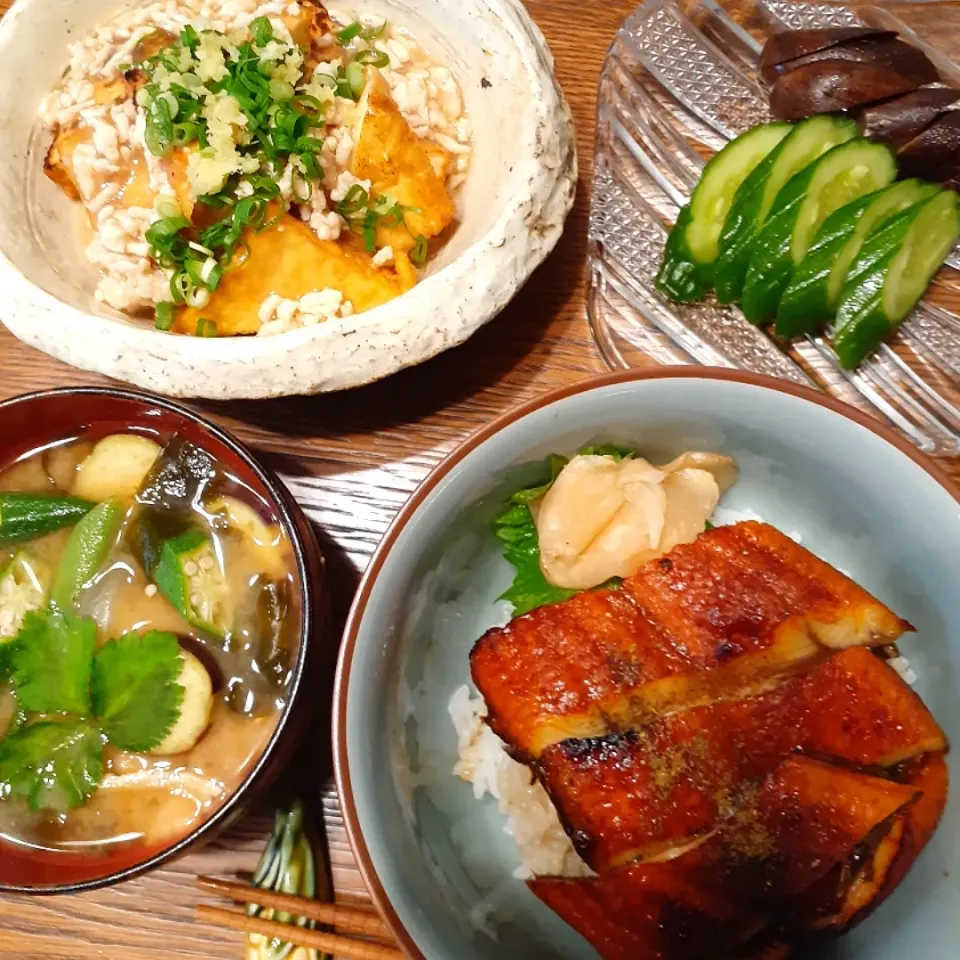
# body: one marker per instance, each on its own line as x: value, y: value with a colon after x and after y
x: 288, y: 933
x: 367, y: 923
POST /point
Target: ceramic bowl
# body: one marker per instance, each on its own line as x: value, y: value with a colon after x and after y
x: 30, y: 422
x: 514, y: 202
x: 437, y: 860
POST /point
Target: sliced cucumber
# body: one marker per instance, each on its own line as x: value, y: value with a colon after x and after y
x: 679, y: 278
x: 848, y: 171
x: 805, y: 143
x: 891, y: 274
x: 694, y: 241
x: 722, y: 176
x: 814, y: 290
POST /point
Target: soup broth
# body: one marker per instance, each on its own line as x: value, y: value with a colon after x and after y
x: 149, y: 616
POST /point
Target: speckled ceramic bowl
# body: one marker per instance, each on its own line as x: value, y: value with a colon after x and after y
x: 514, y: 203
x: 437, y: 860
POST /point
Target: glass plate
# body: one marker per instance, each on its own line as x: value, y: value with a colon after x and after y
x: 680, y: 80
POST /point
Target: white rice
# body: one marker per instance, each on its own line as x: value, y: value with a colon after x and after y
x: 531, y: 819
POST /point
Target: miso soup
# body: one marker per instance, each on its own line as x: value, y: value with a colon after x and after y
x: 149, y: 617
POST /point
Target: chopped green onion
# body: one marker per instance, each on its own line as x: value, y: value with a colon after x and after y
x: 418, y: 255
x: 239, y: 256
x: 161, y: 232
x: 206, y: 328
x: 281, y: 90
x: 353, y: 202
x: 189, y: 37
x: 374, y: 33
x: 262, y: 31
x: 167, y: 206
x: 163, y: 315
x: 370, y: 232
x: 310, y: 166
x: 180, y: 286
x: 210, y: 274
x: 354, y: 76
x: 184, y: 133
x: 375, y: 58
x: 350, y: 32
x: 198, y: 297
x: 159, y: 126
x: 305, y: 100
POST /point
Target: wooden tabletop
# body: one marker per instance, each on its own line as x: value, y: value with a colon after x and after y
x: 351, y: 459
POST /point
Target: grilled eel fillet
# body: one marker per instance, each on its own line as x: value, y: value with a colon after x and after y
x: 648, y: 792
x: 723, y: 617
x: 807, y: 817
x: 854, y: 889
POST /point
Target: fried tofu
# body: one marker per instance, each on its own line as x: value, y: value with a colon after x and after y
x: 731, y: 614
x: 290, y: 260
x: 400, y: 165
x: 58, y: 163
x: 807, y: 817
x: 58, y: 166
x: 643, y: 794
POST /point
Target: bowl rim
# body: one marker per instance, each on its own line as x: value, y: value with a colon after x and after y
x: 352, y: 351
x: 280, y: 500
x: 351, y: 632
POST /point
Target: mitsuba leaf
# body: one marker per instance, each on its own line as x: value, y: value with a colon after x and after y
x: 50, y: 662
x: 135, y: 694
x: 53, y: 766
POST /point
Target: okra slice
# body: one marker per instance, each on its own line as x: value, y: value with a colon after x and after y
x: 24, y: 587
x: 27, y: 516
x: 191, y: 578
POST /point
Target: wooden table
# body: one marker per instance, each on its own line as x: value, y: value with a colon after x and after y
x: 352, y: 460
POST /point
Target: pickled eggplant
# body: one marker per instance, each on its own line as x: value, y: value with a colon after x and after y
x: 896, y: 122
x: 788, y: 45
x: 935, y: 153
x: 829, y: 86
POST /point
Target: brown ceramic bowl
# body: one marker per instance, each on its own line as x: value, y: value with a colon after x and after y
x: 31, y: 421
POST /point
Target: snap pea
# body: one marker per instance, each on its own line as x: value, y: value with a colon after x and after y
x: 86, y: 549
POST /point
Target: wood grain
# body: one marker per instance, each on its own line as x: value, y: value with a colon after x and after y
x: 352, y: 460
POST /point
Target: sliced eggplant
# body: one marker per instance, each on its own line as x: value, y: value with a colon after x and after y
x: 935, y: 153
x: 789, y: 45
x: 898, y: 121
x: 828, y: 86
x: 885, y: 51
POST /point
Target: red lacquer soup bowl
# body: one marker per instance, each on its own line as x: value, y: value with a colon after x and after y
x: 40, y: 421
